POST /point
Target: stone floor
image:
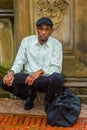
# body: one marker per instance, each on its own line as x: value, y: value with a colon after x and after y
x: 16, y: 106
x: 14, y: 117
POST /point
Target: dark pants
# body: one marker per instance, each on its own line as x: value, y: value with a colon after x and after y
x: 51, y: 85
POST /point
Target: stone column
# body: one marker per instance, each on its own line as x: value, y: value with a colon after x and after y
x: 21, y: 26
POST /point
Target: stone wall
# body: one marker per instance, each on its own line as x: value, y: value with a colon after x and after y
x: 18, y: 18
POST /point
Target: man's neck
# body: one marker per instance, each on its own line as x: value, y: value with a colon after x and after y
x: 42, y: 43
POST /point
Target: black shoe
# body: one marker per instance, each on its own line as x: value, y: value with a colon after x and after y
x: 28, y: 104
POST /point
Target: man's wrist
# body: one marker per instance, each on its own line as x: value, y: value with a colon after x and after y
x: 41, y: 71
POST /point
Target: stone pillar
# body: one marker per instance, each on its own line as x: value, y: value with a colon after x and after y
x: 21, y: 26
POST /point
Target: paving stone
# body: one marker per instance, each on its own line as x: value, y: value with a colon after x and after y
x: 32, y: 122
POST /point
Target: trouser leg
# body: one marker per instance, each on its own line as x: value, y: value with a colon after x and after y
x: 50, y: 85
x: 55, y: 86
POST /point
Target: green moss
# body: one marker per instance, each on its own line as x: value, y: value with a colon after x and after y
x: 3, y: 71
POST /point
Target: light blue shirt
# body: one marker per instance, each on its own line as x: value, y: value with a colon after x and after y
x: 34, y: 56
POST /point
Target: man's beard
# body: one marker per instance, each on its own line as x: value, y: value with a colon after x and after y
x: 43, y: 40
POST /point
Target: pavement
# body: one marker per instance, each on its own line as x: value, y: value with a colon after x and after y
x: 16, y: 106
x: 14, y: 117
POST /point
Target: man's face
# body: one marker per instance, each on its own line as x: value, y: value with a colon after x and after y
x: 44, y: 31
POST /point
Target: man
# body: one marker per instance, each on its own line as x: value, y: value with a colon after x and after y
x: 41, y: 57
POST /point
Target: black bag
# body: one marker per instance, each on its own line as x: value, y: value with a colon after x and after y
x: 64, y: 110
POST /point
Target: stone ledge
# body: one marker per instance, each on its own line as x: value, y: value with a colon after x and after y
x: 16, y: 106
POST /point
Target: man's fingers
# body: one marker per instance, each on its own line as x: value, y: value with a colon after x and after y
x: 5, y: 79
x: 29, y: 80
x: 8, y: 80
x: 11, y: 81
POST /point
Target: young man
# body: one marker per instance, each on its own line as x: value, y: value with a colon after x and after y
x: 41, y: 57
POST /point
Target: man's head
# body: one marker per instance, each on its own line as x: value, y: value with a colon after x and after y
x: 44, y: 29
x: 44, y: 20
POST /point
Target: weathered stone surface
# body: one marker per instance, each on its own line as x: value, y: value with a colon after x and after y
x: 16, y: 106
x: 6, y: 4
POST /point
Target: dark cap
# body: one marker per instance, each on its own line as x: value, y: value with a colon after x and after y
x: 44, y: 20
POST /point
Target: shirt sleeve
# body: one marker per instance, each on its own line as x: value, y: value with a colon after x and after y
x: 20, y: 59
x: 56, y: 61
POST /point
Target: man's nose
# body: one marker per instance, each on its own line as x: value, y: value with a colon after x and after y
x: 43, y: 31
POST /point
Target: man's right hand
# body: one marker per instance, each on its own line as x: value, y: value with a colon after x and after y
x: 8, y: 78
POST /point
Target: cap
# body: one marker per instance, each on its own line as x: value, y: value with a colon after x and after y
x: 44, y: 20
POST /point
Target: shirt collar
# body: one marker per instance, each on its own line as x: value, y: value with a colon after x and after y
x: 37, y: 42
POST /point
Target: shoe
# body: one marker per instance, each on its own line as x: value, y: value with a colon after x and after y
x: 28, y: 104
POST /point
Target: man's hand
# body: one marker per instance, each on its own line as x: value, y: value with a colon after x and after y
x: 31, y: 78
x: 8, y: 78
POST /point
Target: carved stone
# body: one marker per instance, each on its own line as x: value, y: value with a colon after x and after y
x: 21, y: 21
x: 54, y: 9
x: 6, y: 43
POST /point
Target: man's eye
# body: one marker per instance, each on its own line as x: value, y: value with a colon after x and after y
x: 47, y: 29
x: 40, y: 28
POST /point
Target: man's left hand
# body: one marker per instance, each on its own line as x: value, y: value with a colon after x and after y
x: 32, y: 77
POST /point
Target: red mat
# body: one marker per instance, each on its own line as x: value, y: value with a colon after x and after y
x: 29, y: 122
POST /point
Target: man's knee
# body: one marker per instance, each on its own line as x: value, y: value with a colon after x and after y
x: 4, y: 86
x: 57, y: 77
